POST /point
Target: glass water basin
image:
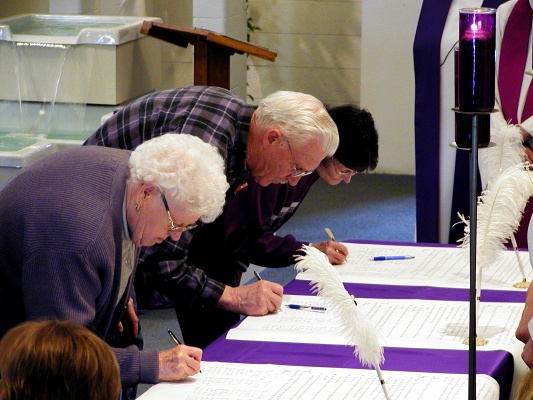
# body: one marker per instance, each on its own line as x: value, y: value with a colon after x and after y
x: 12, y: 142
x: 72, y: 29
x: 16, y: 141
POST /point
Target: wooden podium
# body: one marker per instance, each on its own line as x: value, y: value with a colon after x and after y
x: 212, y: 50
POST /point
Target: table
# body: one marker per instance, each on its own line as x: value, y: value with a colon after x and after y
x: 497, y: 363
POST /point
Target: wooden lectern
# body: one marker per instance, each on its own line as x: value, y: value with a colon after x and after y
x: 211, y: 50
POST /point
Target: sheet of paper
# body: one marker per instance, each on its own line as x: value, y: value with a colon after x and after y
x: 399, y: 323
x: 219, y: 381
x: 432, y: 266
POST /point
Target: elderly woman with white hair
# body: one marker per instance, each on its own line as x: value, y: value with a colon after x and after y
x: 71, y: 227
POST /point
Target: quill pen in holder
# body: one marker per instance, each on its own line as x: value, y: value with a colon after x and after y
x: 357, y: 328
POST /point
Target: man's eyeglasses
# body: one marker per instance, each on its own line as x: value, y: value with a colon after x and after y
x: 297, y: 172
x: 173, y: 226
x: 345, y: 172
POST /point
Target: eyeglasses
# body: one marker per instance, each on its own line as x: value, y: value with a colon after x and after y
x: 297, y: 172
x: 173, y: 226
x: 346, y: 172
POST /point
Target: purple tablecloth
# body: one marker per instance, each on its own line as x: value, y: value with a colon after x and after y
x: 372, y: 291
x: 498, y: 364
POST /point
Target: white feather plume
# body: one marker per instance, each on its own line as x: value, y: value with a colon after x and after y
x: 355, y: 324
x: 499, y: 211
x: 508, y: 151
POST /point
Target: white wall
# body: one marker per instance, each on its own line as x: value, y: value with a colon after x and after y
x: 14, y: 7
x: 177, y: 62
x: 318, y: 45
x: 227, y: 17
x: 344, y: 51
x: 387, y: 79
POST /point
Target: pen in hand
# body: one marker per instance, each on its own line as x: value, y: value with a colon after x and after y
x: 257, y: 276
x: 330, y: 234
x: 332, y: 238
x: 175, y: 339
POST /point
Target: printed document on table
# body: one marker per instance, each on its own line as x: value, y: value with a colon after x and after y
x: 399, y: 323
x: 431, y: 266
x: 267, y: 382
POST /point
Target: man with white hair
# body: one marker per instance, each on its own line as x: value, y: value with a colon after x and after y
x: 282, y: 139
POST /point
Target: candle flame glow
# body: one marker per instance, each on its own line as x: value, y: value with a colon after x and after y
x: 476, y: 26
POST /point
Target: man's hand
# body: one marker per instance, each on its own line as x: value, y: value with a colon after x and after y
x: 336, y: 252
x: 528, y: 151
x: 179, y: 363
x: 259, y: 298
x: 528, y: 154
x: 132, y: 316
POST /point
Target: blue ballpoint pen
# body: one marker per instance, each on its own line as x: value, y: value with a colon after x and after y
x: 385, y: 258
x: 308, y: 308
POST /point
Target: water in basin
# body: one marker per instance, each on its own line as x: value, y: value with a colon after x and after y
x: 51, y: 27
x: 15, y: 141
x: 10, y: 141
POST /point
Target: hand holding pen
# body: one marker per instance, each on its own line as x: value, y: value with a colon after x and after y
x: 178, y: 342
x: 337, y: 252
x: 179, y: 362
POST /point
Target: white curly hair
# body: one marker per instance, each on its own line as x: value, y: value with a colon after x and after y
x: 185, y: 169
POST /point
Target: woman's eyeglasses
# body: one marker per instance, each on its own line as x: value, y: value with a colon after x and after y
x: 173, y: 226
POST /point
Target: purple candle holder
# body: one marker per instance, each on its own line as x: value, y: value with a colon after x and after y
x: 463, y: 122
x: 477, y: 59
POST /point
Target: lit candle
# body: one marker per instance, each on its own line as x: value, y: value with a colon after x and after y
x: 477, y: 59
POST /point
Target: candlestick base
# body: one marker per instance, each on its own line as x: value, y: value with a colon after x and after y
x: 457, y: 110
x: 479, y: 341
x: 454, y: 145
x: 482, y: 127
x: 524, y: 284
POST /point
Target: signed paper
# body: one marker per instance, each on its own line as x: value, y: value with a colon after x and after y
x: 431, y: 266
x: 220, y: 381
x: 400, y: 323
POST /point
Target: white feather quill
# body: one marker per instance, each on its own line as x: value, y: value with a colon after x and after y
x: 508, y: 151
x: 508, y: 186
x: 499, y: 211
x: 356, y: 326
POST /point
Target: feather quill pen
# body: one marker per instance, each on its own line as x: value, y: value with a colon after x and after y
x: 356, y: 327
x: 508, y: 151
x: 499, y: 212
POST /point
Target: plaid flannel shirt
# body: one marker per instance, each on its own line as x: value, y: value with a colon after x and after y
x: 216, y: 116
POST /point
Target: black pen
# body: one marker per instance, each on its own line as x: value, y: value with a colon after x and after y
x: 174, y: 338
x: 257, y: 276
